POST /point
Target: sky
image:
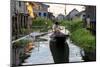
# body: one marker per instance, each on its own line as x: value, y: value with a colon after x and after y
x: 85, y: 2
x: 60, y: 8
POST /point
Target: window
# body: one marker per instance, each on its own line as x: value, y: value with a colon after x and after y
x: 19, y: 4
x: 45, y: 14
x: 39, y: 13
x: 39, y: 7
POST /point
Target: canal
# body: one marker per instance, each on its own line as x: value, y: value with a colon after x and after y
x: 41, y: 54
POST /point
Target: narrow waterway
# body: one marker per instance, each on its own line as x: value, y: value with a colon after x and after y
x: 41, y: 54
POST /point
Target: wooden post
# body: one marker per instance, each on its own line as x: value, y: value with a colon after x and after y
x: 17, y: 30
x: 38, y: 46
x: 22, y: 24
x: 29, y: 24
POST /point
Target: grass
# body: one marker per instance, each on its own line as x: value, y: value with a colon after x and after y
x: 72, y: 25
x: 79, y: 35
x: 84, y: 39
x: 42, y: 24
x: 21, y: 43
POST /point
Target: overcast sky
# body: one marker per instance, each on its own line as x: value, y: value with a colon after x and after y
x: 60, y: 8
x: 85, y: 2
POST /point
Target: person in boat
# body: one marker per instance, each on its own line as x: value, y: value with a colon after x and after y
x: 58, y: 45
x: 56, y: 30
x: 56, y: 27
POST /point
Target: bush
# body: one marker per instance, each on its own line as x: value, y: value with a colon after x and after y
x: 72, y: 25
x: 79, y: 35
x: 24, y: 31
x: 21, y: 43
x: 20, y: 54
x: 84, y: 39
x: 42, y: 24
x: 39, y: 21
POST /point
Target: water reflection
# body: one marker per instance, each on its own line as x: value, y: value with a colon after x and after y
x: 41, y: 54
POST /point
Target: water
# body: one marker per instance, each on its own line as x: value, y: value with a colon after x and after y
x: 42, y: 54
x: 74, y: 51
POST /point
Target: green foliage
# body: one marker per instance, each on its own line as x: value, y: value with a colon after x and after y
x: 75, y: 25
x: 21, y: 43
x: 24, y: 31
x: 79, y: 35
x: 72, y: 25
x: 84, y: 39
x: 42, y: 23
